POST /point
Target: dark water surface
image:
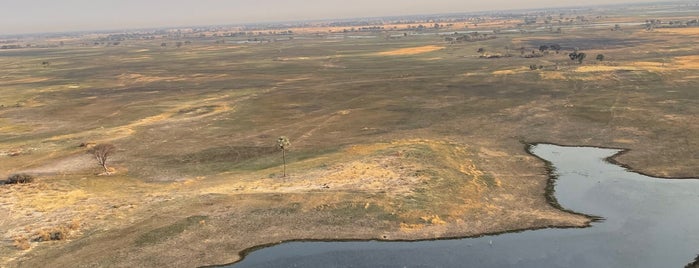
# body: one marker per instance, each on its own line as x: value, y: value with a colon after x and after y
x: 648, y: 222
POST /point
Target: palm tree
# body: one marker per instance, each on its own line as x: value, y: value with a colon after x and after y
x: 283, y: 144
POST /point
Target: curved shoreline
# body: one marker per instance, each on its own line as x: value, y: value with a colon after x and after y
x: 549, y: 195
x: 611, y: 159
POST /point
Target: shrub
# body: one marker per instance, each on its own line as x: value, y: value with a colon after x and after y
x: 52, y: 234
x: 19, y: 178
x: 21, y: 242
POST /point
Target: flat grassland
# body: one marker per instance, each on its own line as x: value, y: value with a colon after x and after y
x: 392, y: 138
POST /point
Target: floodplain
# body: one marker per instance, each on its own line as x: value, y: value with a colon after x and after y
x: 401, y: 133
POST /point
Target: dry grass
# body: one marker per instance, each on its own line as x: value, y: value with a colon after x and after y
x: 687, y: 62
x: 676, y: 64
x: 682, y: 31
x: 604, y: 68
x: 21, y: 242
x: 511, y: 71
x: 552, y: 75
x: 411, y: 50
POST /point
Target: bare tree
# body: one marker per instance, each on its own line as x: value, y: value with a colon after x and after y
x: 102, y: 152
x: 283, y: 144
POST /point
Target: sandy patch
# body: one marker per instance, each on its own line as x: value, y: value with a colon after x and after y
x: 411, y: 51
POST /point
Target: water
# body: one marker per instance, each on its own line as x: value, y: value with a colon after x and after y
x: 648, y: 222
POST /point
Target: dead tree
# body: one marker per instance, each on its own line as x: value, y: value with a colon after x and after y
x: 102, y: 152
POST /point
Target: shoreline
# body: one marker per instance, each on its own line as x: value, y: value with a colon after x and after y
x: 549, y: 195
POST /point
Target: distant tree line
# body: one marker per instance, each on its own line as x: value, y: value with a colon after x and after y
x: 651, y: 24
x: 470, y: 37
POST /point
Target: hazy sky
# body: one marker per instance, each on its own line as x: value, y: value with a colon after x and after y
x: 27, y: 16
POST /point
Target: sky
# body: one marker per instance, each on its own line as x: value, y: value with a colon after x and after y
x: 37, y: 16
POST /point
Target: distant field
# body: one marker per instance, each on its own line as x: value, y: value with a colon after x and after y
x: 392, y: 138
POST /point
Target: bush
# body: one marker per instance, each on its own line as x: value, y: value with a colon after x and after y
x: 53, y: 234
x: 19, y: 178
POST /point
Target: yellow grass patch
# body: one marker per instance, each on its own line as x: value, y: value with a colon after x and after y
x: 493, y: 153
x: 52, y: 200
x: 511, y: 71
x: 627, y: 141
x: 552, y: 76
x: 410, y: 228
x: 128, y: 79
x: 433, y: 219
x: 119, y: 132
x: 687, y: 31
x: 678, y: 63
x: 9, y: 128
x: 687, y: 62
x: 411, y: 50
x: 26, y: 80
x: 601, y: 68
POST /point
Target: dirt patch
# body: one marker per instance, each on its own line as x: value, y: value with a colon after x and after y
x: 411, y: 51
x: 66, y: 165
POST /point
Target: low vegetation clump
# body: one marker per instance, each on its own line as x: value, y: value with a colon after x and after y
x: 53, y: 234
x: 19, y: 178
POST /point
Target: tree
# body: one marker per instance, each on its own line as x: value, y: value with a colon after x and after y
x: 283, y: 144
x: 102, y: 152
x: 600, y: 57
x: 556, y: 47
x: 543, y: 48
x: 581, y: 57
